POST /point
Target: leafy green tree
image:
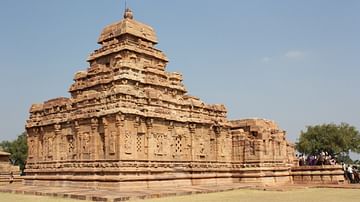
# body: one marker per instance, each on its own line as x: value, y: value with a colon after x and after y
x: 337, y: 140
x: 18, y: 150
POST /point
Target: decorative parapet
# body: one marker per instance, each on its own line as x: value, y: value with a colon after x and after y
x: 326, y: 174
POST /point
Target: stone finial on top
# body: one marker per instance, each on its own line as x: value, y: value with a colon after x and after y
x: 128, y: 14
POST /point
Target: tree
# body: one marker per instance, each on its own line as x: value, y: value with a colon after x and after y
x: 337, y: 140
x: 18, y: 150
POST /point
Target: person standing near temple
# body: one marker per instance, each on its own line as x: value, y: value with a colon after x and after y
x: 350, y: 174
x: 356, y: 174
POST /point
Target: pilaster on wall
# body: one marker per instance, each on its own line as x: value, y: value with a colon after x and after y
x: 58, y: 141
x: 192, y: 130
x: 149, y: 130
x: 106, y: 139
x: 32, y: 142
x: 119, y: 123
x: 95, y: 136
x: 75, y: 141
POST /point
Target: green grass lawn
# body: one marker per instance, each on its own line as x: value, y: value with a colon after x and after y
x: 299, y: 195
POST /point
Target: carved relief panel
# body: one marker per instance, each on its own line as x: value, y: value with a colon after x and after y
x: 213, y: 149
x: 61, y: 140
x: 265, y: 147
x: 85, y: 145
x: 112, y: 142
x: 201, y: 145
x: 31, y: 145
x: 202, y: 149
x: 159, y: 148
x: 41, y: 146
x: 49, y: 146
x: 222, y: 145
x: 128, y: 142
x: 70, y: 145
x: 252, y: 147
x: 61, y: 145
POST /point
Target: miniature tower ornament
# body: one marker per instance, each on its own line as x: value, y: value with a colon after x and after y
x: 128, y: 14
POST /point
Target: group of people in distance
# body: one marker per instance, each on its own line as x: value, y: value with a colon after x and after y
x: 322, y: 158
x: 351, y: 173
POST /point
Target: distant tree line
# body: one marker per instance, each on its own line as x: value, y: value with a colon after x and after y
x: 338, y: 140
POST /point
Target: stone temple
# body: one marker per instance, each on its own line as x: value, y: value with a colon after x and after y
x: 6, y: 168
x: 130, y: 123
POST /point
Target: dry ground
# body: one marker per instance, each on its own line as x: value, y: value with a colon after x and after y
x: 6, y: 197
x: 298, y: 195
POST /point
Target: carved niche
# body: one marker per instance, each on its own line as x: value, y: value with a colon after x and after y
x: 160, y: 139
x: 31, y: 143
x: 70, y: 146
x: 85, y: 142
x: 213, y: 149
x: 202, y: 149
x: 252, y: 147
x: 223, y: 150
x: 49, y: 142
x: 128, y: 143
x: 112, y: 142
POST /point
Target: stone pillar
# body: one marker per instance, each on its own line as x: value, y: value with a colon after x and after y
x: 235, y: 148
x: 192, y: 129
x: 106, y: 143
x: 149, y: 126
x: 57, y: 142
x: 41, y: 152
x: 35, y: 146
x: 95, y: 139
x: 217, y: 133
x: 76, y: 143
x: 273, y: 148
x: 172, y: 138
x: 119, y: 122
x: 258, y: 149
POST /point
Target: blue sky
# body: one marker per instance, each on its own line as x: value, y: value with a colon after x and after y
x: 295, y: 62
